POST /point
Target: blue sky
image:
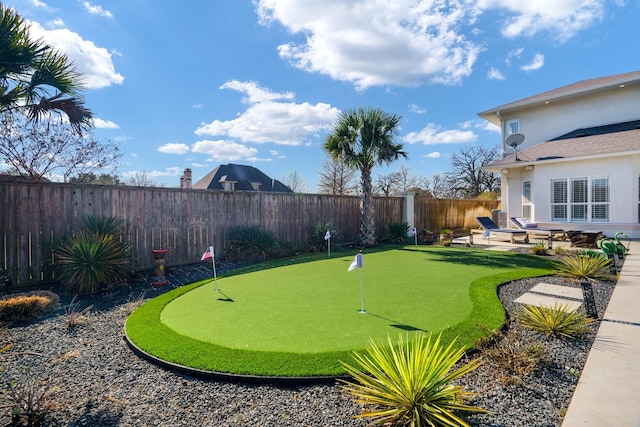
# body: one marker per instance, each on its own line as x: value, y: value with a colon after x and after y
x: 199, y: 83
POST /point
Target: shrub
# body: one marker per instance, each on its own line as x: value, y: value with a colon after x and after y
x: 26, y: 305
x: 317, y: 235
x: 250, y: 243
x: 76, y: 316
x: 539, y: 248
x: 559, y: 250
x: 513, y: 357
x: 410, y: 383
x: 557, y: 320
x: 584, y: 266
x: 398, y: 233
x: 29, y: 400
x: 93, y: 259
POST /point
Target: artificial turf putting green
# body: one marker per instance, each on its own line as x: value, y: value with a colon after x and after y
x: 301, y: 319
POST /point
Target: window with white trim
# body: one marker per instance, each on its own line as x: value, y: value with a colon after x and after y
x: 579, y: 198
x: 526, y: 199
x: 559, y: 199
x: 600, y: 199
x: 513, y: 126
x: 582, y: 199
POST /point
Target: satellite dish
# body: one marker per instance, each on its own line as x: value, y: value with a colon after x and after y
x: 513, y: 141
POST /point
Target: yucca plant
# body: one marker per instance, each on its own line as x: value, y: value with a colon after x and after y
x: 398, y: 232
x: 93, y: 258
x: 410, y: 383
x: 318, y: 233
x: 583, y: 266
x: 104, y: 225
x: 539, y: 248
x: 557, y: 320
x: 250, y: 243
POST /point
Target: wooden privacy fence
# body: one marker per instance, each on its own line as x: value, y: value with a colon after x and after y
x: 34, y: 215
x: 438, y: 214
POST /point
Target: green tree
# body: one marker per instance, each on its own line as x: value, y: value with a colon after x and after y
x: 35, y: 78
x: 362, y: 139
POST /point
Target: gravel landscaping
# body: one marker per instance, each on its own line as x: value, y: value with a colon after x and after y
x: 94, y: 379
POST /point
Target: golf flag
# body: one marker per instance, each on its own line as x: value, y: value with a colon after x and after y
x: 357, y: 262
x: 327, y: 236
x: 208, y: 254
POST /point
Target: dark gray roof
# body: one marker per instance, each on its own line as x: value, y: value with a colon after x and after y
x: 244, y: 178
x: 571, y: 146
x: 600, y: 130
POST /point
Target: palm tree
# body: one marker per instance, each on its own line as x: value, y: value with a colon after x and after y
x: 362, y: 139
x: 35, y: 78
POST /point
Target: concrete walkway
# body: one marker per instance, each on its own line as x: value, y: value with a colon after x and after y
x: 608, y: 392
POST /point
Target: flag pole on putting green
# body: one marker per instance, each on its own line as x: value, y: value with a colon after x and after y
x: 357, y: 263
x: 327, y: 237
x: 209, y: 253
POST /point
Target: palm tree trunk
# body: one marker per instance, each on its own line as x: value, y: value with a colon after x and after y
x: 367, y: 221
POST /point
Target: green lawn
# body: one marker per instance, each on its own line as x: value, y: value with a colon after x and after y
x: 300, y: 317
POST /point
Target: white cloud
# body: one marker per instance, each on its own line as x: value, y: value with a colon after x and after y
x: 267, y: 120
x: 377, y: 43
x: 93, y: 62
x: 174, y: 148
x: 431, y: 135
x: 495, y: 74
x: 433, y: 155
x: 417, y: 109
x: 562, y: 19
x: 536, y: 63
x: 276, y: 154
x: 407, y: 42
x: 224, y: 151
x: 38, y: 3
x: 104, y: 124
x: 96, y: 10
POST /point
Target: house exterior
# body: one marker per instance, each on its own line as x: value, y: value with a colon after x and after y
x: 233, y: 177
x: 578, y: 167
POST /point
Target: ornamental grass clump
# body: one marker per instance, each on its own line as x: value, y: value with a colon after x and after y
x: 558, y: 320
x: 585, y: 266
x: 410, y: 383
x: 28, y: 305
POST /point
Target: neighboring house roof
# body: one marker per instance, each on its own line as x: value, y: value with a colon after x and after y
x: 242, y: 178
x: 619, y: 139
x: 579, y: 89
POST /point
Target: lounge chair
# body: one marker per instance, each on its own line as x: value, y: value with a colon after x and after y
x: 509, y: 234
x: 532, y: 229
x: 584, y: 239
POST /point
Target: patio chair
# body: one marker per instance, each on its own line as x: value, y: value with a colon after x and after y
x: 509, y: 234
x: 584, y: 239
x: 532, y: 229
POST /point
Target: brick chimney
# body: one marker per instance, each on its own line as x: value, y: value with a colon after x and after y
x: 185, y: 179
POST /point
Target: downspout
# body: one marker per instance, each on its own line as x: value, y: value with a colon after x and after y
x: 504, y: 187
x: 502, y: 131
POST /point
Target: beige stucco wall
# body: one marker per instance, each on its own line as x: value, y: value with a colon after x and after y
x: 622, y: 171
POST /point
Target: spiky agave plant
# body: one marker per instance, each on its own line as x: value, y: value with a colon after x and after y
x: 584, y: 266
x: 410, y: 383
x: 557, y: 320
x: 94, y: 257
